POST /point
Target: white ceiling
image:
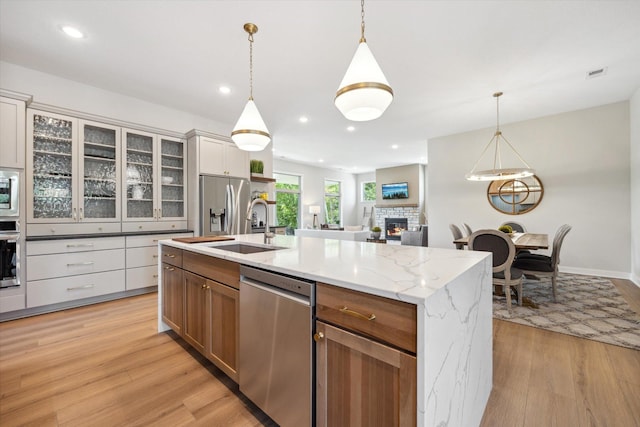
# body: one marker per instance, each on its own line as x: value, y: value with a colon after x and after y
x: 444, y: 59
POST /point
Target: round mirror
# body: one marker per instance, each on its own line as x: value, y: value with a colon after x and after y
x: 515, y: 196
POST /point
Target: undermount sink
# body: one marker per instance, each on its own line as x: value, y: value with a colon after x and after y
x: 242, y: 248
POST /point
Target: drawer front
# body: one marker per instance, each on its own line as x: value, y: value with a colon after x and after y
x: 44, y: 247
x: 220, y: 270
x: 390, y: 321
x: 153, y: 226
x: 171, y: 255
x: 61, y: 265
x: 142, y: 257
x: 142, y: 277
x: 43, y: 292
x: 151, y: 239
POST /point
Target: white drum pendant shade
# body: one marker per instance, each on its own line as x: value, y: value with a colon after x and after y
x: 364, y: 93
x: 250, y: 133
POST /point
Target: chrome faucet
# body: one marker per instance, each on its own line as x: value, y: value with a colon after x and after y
x: 267, y: 232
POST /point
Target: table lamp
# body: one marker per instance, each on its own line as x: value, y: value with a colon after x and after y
x: 315, y: 210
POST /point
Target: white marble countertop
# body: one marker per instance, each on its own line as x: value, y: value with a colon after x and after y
x: 405, y: 273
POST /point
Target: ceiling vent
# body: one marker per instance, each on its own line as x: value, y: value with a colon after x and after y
x: 596, y: 73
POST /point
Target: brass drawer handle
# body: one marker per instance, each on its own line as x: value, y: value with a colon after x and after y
x: 170, y: 255
x: 169, y: 268
x: 345, y: 310
x: 318, y: 336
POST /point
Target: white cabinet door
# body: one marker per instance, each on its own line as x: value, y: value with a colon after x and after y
x: 12, y: 135
x: 172, y: 191
x: 219, y: 157
x: 52, y: 169
x: 237, y: 161
x: 212, y: 156
x: 139, y: 175
x: 99, y: 191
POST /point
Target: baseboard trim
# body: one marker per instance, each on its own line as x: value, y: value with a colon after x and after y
x: 34, y: 311
x: 596, y: 272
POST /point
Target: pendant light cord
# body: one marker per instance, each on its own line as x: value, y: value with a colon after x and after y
x: 362, y: 39
x: 251, y: 66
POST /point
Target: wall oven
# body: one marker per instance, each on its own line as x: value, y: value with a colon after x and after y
x: 9, y: 191
x: 9, y: 253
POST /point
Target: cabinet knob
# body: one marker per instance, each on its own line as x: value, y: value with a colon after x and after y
x: 318, y: 336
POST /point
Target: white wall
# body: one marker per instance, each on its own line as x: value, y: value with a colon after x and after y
x: 634, y: 113
x: 313, y: 190
x: 582, y: 159
x: 59, y: 92
x: 361, y: 205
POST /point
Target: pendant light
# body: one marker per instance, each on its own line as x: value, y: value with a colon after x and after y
x: 364, y: 93
x: 498, y: 172
x: 250, y: 133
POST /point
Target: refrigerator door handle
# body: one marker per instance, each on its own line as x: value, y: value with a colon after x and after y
x: 230, y: 210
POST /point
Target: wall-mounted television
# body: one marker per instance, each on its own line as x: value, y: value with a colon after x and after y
x: 398, y: 190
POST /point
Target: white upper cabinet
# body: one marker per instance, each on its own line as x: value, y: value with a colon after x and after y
x: 154, y: 183
x: 72, y: 175
x: 12, y: 137
x: 219, y: 157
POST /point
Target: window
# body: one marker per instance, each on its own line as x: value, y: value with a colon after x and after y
x: 368, y: 192
x: 287, y: 199
x: 332, y: 201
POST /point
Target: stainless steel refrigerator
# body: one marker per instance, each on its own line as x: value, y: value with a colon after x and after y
x: 223, y: 205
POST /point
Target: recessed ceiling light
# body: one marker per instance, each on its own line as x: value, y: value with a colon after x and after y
x: 351, y: 128
x: 320, y: 161
x: 225, y: 90
x: 596, y: 73
x: 303, y: 119
x: 394, y: 146
x: 72, y: 32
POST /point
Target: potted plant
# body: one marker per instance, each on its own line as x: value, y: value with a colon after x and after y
x: 256, y: 167
x: 506, y: 229
x: 375, y: 232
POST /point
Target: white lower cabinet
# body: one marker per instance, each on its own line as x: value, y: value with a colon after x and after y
x: 69, y: 269
x: 62, y: 289
x: 142, y: 259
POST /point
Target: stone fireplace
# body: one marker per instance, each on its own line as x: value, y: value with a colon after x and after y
x: 393, y: 227
x: 411, y: 214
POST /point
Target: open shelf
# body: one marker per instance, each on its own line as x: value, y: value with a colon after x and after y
x: 255, y: 178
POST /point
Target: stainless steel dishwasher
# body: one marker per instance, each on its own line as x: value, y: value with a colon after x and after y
x: 276, y: 345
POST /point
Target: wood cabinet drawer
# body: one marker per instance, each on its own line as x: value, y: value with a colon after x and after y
x: 142, y: 257
x: 151, y: 239
x: 142, y: 277
x: 44, y: 292
x: 44, y: 247
x: 390, y: 321
x: 220, y: 270
x: 73, y: 264
x: 171, y: 255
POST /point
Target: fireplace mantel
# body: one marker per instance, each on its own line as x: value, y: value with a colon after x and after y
x: 406, y: 205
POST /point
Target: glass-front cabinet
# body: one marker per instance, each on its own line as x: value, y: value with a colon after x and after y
x: 89, y: 177
x: 75, y: 172
x: 155, y: 176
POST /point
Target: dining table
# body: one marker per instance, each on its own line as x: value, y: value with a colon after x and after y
x: 522, y: 241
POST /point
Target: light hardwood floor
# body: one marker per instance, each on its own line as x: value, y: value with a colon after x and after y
x: 105, y: 365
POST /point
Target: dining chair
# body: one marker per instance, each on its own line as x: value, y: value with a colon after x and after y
x: 544, y: 265
x: 467, y: 229
x: 504, y: 252
x: 515, y: 226
x: 457, y: 234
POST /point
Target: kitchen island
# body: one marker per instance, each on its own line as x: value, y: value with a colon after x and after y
x: 450, y: 289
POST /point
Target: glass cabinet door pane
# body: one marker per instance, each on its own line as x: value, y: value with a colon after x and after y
x: 100, y: 163
x: 139, y: 176
x: 52, y: 167
x: 172, y: 168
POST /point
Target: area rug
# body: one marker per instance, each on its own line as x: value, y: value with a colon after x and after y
x: 587, y: 307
